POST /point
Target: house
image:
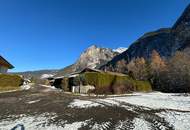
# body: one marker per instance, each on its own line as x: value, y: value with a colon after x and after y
x: 86, y: 80
x: 4, y: 65
x: 66, y: 82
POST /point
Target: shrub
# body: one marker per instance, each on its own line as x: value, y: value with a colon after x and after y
x: 106, y: 83
x: 10, y: 82
x: 143, y: 86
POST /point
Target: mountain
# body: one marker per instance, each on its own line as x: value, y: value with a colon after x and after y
x: 165, y: 41
x: 120, y: 49
x: 93, y: 57
x: 39, y: 74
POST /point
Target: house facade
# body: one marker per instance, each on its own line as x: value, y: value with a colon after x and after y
x: 4, y: 65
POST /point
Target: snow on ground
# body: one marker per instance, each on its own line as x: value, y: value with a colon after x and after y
x: 25, y: 87
x: 177, y: 107
x: 29, y: 122
x: 77, y: 103
x: 76, y: 125
x: 35, y: 101
x: 39, y: 122
x: 102, y: 126
x: 108, y: 102
x: 180, y: 120
x: 140, y: 124
x: 157, y: 101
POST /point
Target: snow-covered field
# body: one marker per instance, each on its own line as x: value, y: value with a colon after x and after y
x: 148, y: 111
x: 176, y: 107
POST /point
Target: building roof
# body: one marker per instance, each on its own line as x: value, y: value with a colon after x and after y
x: 5, y: 63
x: 91, y: 70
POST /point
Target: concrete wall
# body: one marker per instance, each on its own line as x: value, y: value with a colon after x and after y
x: 3, y: 69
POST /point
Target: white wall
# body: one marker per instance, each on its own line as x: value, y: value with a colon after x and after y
x: 3, y: 69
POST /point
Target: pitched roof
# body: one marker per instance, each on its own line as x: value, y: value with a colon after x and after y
x: 4, y: 62
x: 90, y: 70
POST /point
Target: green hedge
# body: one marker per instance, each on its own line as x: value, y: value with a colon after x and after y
x: 143, y: 86
x: 115, y: 84
x: 10, y: 82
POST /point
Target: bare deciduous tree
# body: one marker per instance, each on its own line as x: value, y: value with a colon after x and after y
x: 138, y: 68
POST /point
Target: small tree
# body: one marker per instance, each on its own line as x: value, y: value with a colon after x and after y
x: 157, y: 67
x: 157, y: 63
x: 121, y: 66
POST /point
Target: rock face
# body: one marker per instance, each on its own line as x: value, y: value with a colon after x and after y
x: 165, y: 41
x: 93, y: 57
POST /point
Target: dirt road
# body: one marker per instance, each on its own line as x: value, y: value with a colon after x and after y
x: 44, y: 108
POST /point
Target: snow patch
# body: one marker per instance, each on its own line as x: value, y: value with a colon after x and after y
x: 108, y: 102
x: 102, y: 126
x: 39, y: 122
x: 32, y: 102
x: 120, y: 49
x: 180, y: 120
x: 75, y: 125
x: 25, y: 87
x: 157, y: 101
x: 140, y: 124
x: 77, y: 103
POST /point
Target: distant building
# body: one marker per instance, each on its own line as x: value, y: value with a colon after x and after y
x: 4, y: 65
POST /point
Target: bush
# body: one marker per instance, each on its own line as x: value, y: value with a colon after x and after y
x: 143, y: 86
x: 10, y: 82
x: 106, y: 83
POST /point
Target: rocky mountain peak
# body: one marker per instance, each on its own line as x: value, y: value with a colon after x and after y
x: 94, y: 56
x: 92, y: 47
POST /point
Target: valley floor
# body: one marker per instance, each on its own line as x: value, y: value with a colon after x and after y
x: 45, y: 108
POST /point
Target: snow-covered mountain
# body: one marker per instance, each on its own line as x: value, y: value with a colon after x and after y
x: 120, y: 49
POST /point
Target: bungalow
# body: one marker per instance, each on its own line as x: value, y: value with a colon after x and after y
x: 4, y: 65
x: 66, y: 82
x: 86, y: 80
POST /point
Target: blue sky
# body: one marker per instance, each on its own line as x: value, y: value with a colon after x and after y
x: 49, y: 34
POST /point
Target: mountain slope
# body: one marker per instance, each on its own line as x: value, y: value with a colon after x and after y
x: 93, y: 57
x: 166, y: 41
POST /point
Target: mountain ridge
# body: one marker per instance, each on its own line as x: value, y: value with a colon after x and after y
x: 166, y: 41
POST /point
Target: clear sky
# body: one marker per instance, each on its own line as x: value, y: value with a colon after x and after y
x: 49, y: 34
